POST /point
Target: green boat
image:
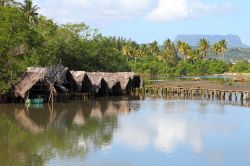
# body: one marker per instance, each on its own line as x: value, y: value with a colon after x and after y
x: 37, y: 101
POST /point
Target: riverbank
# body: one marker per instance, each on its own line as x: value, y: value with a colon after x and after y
x: 203, y: 84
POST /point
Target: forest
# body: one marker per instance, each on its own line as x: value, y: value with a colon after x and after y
x: 28, y: 38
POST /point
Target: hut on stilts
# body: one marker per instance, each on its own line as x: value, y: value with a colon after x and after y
x: 44, y: 83
x: 50, y: 81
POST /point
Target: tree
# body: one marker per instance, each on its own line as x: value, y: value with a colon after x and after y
x: 17, y: 41
x: 125, y: 51
x: 183, y: 49
x: 169, y: 52
x: 29, y: 10
x: 223, y: 47
x: 203, y: 47
x: 154, y: 49
x: 216, y: 49
x: 8, y: 3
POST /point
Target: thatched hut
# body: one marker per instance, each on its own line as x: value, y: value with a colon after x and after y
x: 99, y: 86
x: 82, y: 81
x: 62, y: 79
x: 58, y: 79
x: 128, y: 80
x: 44, y: 81
x: 33, y: 82
x: 102, y: 84
x: 114, y: 86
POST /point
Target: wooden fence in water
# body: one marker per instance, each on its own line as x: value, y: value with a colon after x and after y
x: 219, y: 94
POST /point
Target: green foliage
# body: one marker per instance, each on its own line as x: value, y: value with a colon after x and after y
x: 17, y: 41
x: 152, y: 65
x: 203, y: 67
x: 241, y: 67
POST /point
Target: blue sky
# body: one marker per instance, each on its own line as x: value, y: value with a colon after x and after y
x: 148, y: 20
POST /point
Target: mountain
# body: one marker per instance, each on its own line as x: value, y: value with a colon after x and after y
x: 234, y: 41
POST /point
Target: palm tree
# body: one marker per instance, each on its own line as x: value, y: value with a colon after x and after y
x: 203, y: 47
x: 125, y: 51
x: 169, y: 50
x: 216, y: 49
x: 183, y: 49
x: 154, y: 49
x: 168, y: 44
x: 29, y: 10
x: 223, y: 47
x: 193, y: 55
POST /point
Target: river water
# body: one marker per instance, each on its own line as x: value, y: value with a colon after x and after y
x: 126, y: 132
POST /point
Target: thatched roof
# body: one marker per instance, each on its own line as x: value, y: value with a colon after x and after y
x: 42, y: 70
x: 78, y: 76
x: 124, y: 78
x: 27, y: 82
x: 95, y: 77
x: 57, y: 74
x: 111, y: 79
x: 49, y: 75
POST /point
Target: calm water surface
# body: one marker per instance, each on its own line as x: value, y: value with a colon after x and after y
x: 126, y: 132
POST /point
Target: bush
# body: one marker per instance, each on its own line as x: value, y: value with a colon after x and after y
x: 241, y: 67
x: 203, y: 67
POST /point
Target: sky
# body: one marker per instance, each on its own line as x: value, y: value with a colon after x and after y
x: 149, y: 20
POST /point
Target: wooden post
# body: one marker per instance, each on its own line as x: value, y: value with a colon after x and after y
x: 230, y: 96
x: 242, y: 96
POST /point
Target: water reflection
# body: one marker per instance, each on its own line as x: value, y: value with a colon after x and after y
x: 36, y: 135
x: 122, y: 131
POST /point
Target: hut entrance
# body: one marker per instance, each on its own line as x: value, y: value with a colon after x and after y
x: 116, y: 90
x: 86, y: 85
x: 104, y: 90
x: 40, y: 90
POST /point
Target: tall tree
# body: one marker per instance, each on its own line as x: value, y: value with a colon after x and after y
x: 169, y: 52
x: 154, y: 48
x: 183, y: 49
x: 203, y: 47
x: 17, y: 41
x: 223, y: 47
x: 125, y: 51
x: 216, y: 49
x: 30, y: 10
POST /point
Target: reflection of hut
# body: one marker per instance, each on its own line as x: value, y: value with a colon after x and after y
x: 79, y: 119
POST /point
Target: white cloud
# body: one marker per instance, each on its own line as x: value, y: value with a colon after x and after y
x: 169, y: 10
x: 103, y: 11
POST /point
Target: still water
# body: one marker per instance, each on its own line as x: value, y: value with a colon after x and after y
x: 126, y: 132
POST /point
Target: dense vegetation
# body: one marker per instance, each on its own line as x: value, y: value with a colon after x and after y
x: 30, y: 39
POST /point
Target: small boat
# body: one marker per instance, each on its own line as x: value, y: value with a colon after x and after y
x: 37, y: 101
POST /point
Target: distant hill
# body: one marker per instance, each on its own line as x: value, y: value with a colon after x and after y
x: 234, y: 41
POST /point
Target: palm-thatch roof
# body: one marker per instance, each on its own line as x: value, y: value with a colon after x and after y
x: 111, y: 79
x: 50, y: 76
x: 125, y: 78
x: 29, y: 80
x: 78, y: 77
x: 96, y: 79
x: 60, y: 79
